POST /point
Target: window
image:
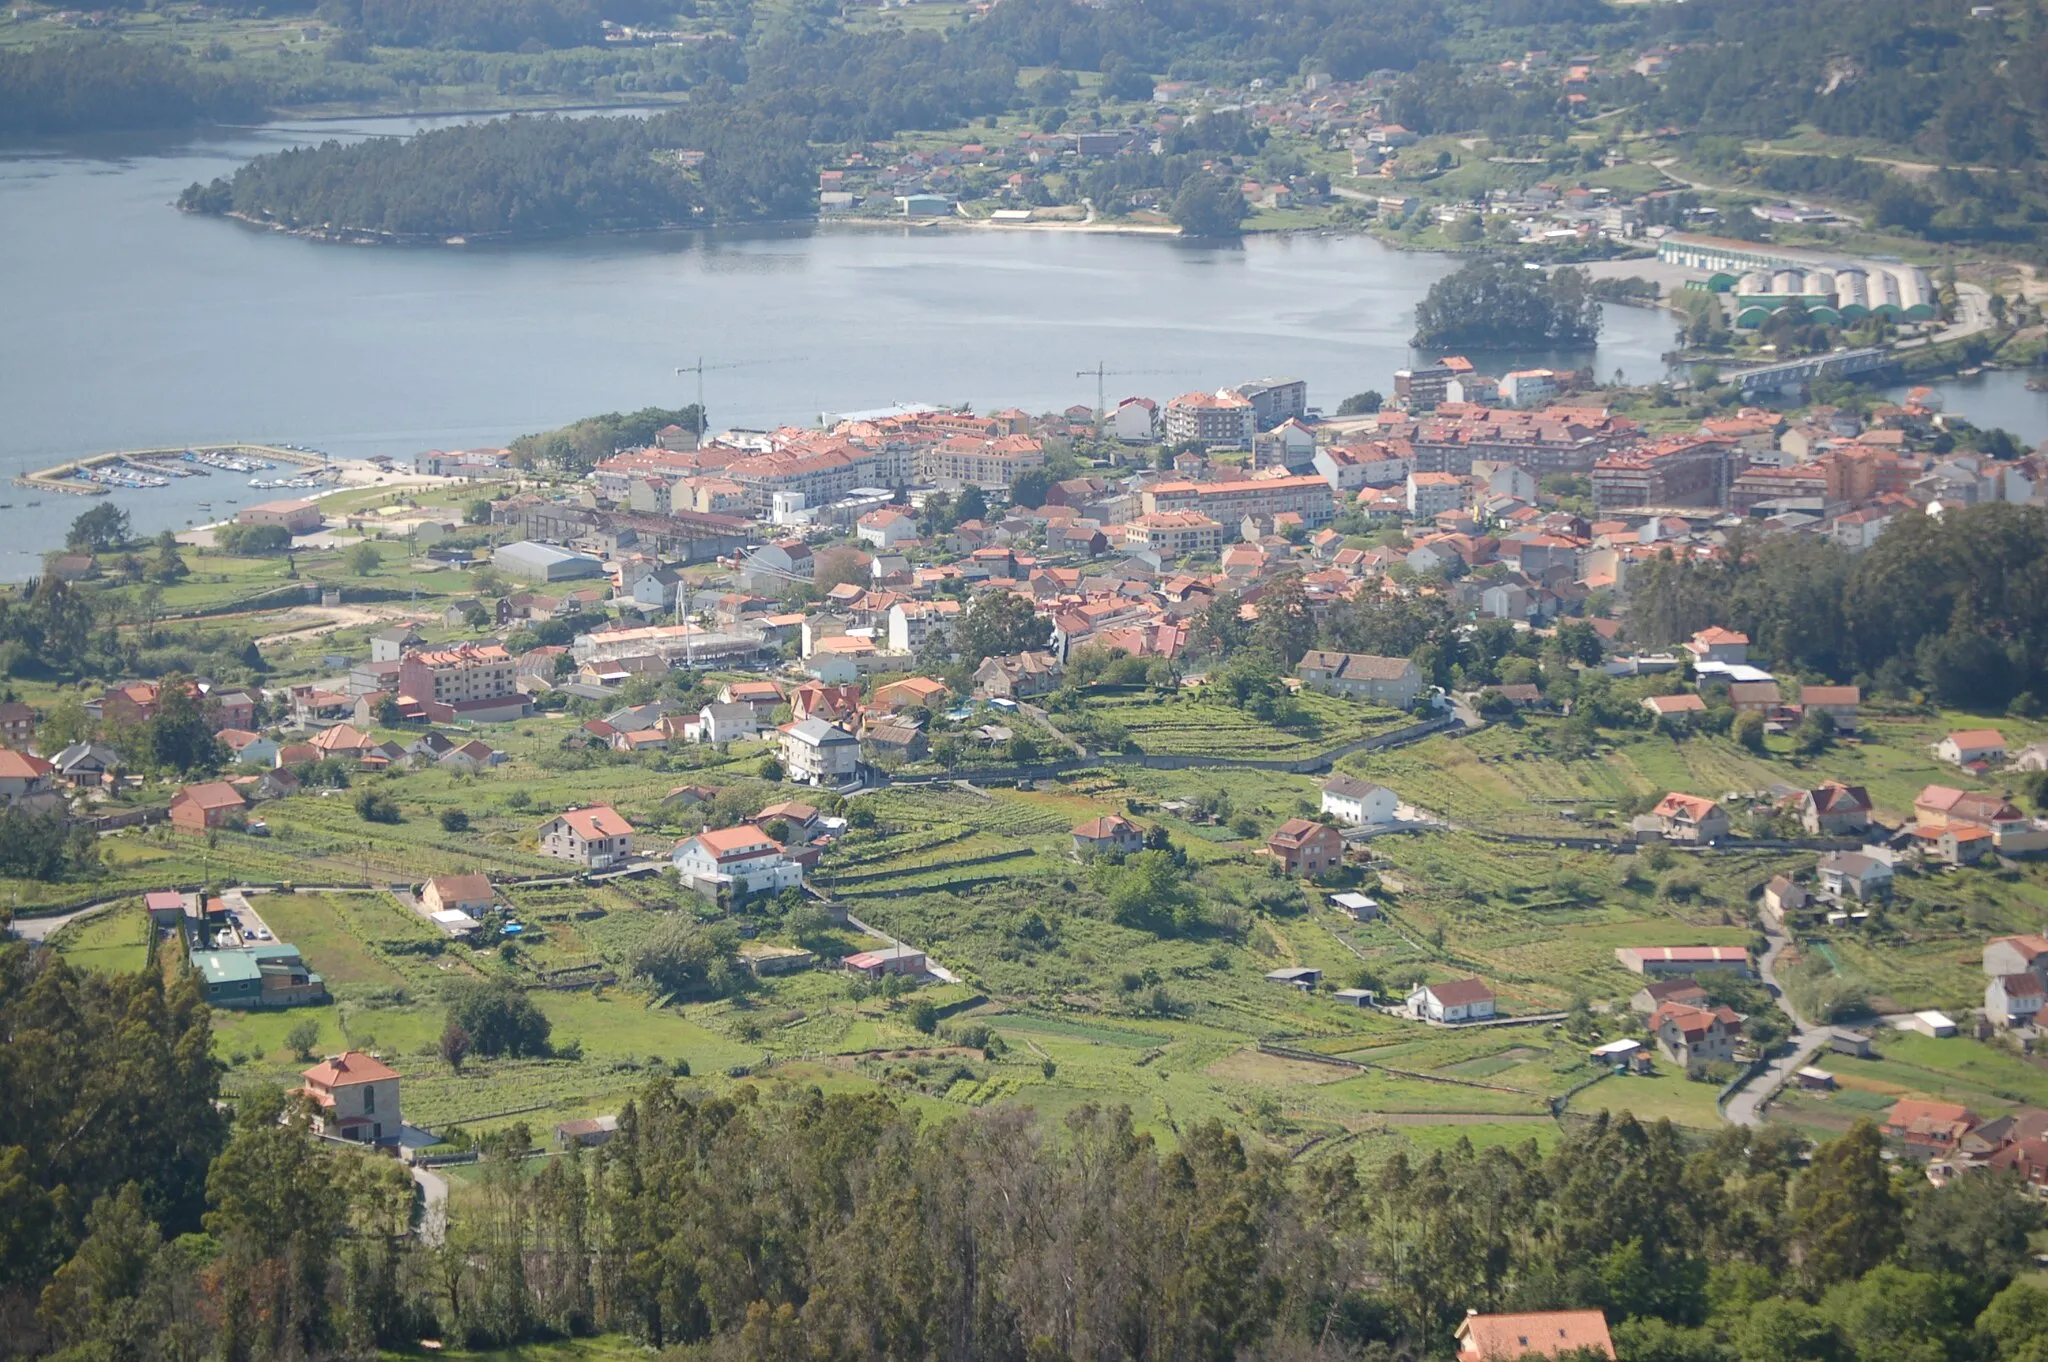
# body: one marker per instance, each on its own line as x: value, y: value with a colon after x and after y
x: 369, y: 1098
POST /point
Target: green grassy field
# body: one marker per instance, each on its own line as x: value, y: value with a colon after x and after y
x: 115, y: 941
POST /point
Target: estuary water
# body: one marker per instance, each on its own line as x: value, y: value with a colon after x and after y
x: 126, y: 324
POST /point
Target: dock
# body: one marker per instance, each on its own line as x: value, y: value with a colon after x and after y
x: 63, y: 477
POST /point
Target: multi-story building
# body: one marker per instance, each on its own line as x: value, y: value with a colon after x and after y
x: 1373, y: 463
x: 1696, y: 1036
x: 1682, y: 470
x: 912, y: 622
x: 597, y: 837
x: 1422, y: 389
x: 1303, y: 846
x: 743, y: 858
x: 1174, y: 534
x: 1228, y: 503
x: 478, y: 682
x: 355, y: 1097
x: 817, y: 753
x: 1222, y: 418
x: 1528, y: 387
x: 971, y: 461
x: 1556, y: 439
x: 1431, y: 494
x: 1274, y: 400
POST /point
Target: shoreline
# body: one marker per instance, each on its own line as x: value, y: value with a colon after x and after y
x: 363, y: 236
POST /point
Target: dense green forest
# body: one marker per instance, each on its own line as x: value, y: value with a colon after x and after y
x: 1497, y: 304
x: 1955, y: 605
x: 95, y: 86
x: 530, y: 176
x: 578, y: 446
x: 774, y: 1222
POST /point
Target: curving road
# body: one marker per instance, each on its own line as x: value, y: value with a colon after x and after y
x: 1745, y: 1107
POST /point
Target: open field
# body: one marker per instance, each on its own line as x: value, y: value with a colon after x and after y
x: 1086, y: 1009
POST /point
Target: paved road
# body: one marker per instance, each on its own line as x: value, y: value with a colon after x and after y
x: 43, y: 928
x: 1745, y: 1108
x: 434, y: 1219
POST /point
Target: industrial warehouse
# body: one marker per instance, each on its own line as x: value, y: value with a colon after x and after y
x: 1834, y: 290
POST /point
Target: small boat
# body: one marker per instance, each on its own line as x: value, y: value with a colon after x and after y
x: 2037, y: 385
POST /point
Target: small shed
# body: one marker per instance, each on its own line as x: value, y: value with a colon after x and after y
x: 1354, y: 997
x: 1931, y: 1023
x: 1615, y: 1051
x: 1299, y: 976
x: 1361, y: 908
x: 1851, y: 1043
x: 1815, y: 1080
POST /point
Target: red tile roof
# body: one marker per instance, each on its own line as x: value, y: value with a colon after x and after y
x: 1545, y: 1334
x: 345, y: 1070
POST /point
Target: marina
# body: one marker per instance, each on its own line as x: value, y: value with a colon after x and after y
x: 146, y: 469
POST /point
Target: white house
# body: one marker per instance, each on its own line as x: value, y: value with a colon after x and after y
x: 733, y: 722
x: 1972, y: 746
x: 2013, y: 999
x: 817, y: 753
x: 1358, y: 802
x: 744, y: 857
x: 1459, y: 1001
x: 1135, y: 421
x: 886, y: 528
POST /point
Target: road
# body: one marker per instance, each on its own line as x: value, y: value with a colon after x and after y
x: 41, y: 929
x: 1745, y: 1108
x: 434, y: 1218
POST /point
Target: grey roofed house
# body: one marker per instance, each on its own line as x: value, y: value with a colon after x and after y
x: 537, y: 562
x: 818, y: 733
x: 1350, y: 787
x: 85, y: 761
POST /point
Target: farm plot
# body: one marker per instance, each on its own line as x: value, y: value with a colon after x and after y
x: 361, y: 944
x: 1185, y: 726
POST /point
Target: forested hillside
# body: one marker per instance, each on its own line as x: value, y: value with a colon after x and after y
x: 1956, y: 605
x: 93, y: 86
x: 532, y: 176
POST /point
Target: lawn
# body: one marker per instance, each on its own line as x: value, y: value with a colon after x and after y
x: 114, y: 942
x: 1184, y: 724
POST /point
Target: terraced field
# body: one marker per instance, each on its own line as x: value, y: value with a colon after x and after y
x: 1186, y: 726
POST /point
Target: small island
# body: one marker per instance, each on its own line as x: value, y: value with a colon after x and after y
x: 1498, y: 304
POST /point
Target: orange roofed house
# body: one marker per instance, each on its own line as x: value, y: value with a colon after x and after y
x: 1487, y: 1338
x: 596, y: 837
x: 1305, y: 847
x: 354, y: 1097
x: 1690, y: 818
x: 1926, y: 1127
x: 198, y: 808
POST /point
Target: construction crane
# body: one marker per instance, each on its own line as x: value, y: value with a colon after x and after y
x: 700, y: 368
x: 1103, y: 371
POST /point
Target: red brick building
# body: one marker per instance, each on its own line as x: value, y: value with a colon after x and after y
x: 1305, y: 847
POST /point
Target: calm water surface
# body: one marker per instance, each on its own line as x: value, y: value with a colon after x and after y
x: 128, y: 324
